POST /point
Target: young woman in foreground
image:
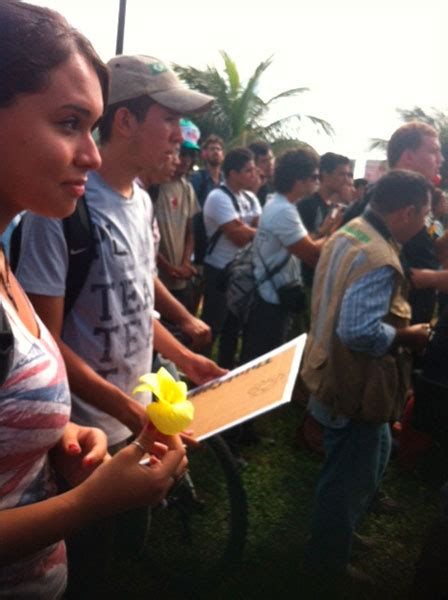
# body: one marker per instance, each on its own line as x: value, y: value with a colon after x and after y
x: 52, y: 91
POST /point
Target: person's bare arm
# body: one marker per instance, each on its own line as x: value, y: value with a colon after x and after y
x: 307, y: 250
x: 84, y: 381
x: 167, y: 267
x: 237, y: 232
x: 430, y: 278
x: 414, y: 336
x: 188, y: 247
x: 119, y: 484
x: 173, y: 311
x: 441, y: 244
x: 196, y: 367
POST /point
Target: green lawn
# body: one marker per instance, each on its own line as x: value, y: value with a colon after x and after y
x: 279, y: 482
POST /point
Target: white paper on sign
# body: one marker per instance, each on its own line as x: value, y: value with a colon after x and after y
x: 248, y: 391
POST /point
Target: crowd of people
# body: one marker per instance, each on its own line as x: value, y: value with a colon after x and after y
x: 106, y: 275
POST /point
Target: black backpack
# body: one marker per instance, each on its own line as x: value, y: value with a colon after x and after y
x: 78, y: 233
x: 200, y: 237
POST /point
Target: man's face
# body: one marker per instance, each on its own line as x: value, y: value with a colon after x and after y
x: 213, y: 155
x: 186, y: 162
x: 426, y: 159
x: 157, y: 138
x: 247, y: 177
x: 413, y: 221
x: 265, y: 165
x: 335, y: 181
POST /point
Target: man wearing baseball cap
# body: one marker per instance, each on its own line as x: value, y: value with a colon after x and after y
x: 108, y: 336
x: 139, y: 130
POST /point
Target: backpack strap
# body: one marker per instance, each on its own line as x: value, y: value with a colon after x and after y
x: 14, y: 245
x: 202, y: 188
x: 269, y: 273
x: 218, y: 233
x: 6, y: 345
x: 249, y: 198
x: 78, y: 233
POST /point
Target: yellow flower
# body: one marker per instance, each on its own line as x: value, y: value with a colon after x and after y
x: 172, y: 412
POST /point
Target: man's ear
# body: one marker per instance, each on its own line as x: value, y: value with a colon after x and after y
x: 125, y: 123
x: 406, y: 214
x: 407, y: 159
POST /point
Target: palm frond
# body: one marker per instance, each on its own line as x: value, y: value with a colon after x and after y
x: 288, y: 94
x: 289, y: 127
x: 377, y: 144
x: 246, y: 100
x: 238, y: 113
x: 233, y: 76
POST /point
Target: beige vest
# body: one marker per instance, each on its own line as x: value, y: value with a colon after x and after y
x: 353, y: 383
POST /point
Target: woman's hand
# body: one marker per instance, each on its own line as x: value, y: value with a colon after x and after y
x: 79, y: 452
x: 124, y: 482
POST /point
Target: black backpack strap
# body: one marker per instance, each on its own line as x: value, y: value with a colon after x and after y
x: 6, y: 346
x: 269, y: 273
x: 78, y: 232
x: 232, y: 196
x: 249, y: 197
x: 14, y: 245
x: 202, y: 195
x: 215, y: 237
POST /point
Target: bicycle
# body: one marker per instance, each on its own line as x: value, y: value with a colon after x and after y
x: 199, y: 532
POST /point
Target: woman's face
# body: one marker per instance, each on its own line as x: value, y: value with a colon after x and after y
x: 46, y: 145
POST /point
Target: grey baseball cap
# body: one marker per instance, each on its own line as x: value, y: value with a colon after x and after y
x: 134, y: 76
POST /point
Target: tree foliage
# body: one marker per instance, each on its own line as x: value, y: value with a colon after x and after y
x: 238, y: 114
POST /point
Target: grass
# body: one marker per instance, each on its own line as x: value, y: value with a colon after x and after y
x: 279, y: 482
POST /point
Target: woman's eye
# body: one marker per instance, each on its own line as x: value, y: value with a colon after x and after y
x: 71, y: 123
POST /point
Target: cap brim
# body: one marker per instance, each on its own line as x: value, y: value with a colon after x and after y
x: 190, y: 145
x: 183, y: 101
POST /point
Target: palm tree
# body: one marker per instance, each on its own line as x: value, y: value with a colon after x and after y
x: 238, y: 112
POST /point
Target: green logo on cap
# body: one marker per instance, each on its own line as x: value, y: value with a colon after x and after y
x: 158, y: 68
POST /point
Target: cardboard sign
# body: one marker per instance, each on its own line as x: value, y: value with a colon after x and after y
x: 248, y: 391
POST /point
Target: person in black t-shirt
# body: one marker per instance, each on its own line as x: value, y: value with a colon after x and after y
x: 334, y: 174
x: 265, y: 163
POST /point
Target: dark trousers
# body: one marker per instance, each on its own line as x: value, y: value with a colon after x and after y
x: 91, y: 551
x: 214, y: 311
x: 268, y: 326
x: 221, y: 321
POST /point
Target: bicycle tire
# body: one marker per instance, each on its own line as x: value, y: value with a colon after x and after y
x: 217, y: 529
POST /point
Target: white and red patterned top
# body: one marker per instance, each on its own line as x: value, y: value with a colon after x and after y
x: 34, y: 409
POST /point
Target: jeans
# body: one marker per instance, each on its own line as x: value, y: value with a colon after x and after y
x: 356, y: 457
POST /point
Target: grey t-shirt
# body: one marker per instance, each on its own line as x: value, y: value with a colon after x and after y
x: 280, y: 226
x: 110, y: 325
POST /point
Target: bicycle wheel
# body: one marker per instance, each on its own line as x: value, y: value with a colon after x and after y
x: 201, y: 532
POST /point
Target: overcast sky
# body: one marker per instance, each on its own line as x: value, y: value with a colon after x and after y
x: 361, y: 59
